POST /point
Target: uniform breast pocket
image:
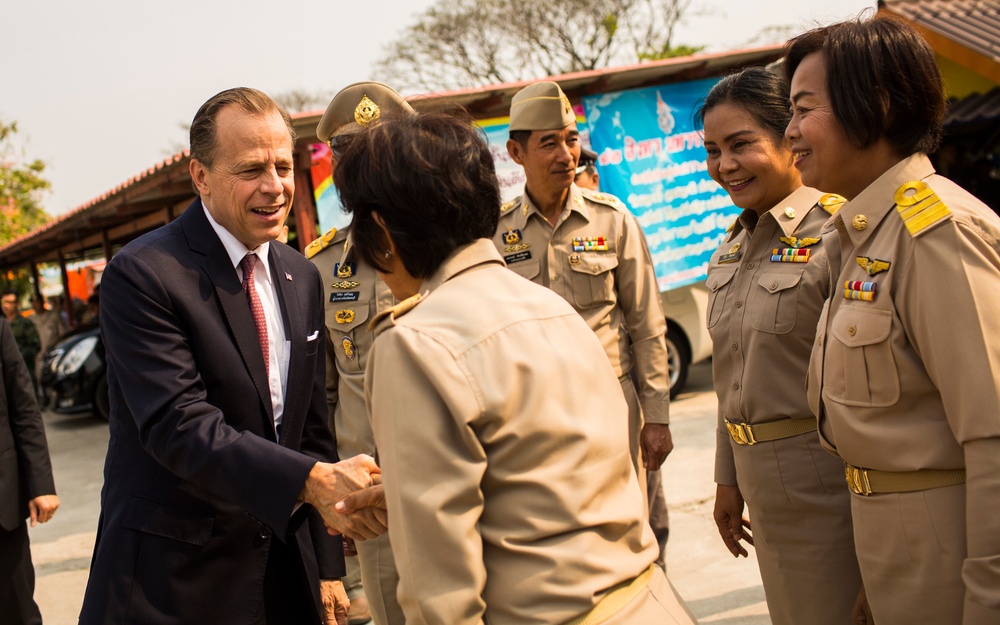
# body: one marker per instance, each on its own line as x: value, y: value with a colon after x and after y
x: 719, y: 278
x: 776, y: 302
x: 348, y: 326
x: 860, y: 368
x: 526, y: 268
x: 593, y: 279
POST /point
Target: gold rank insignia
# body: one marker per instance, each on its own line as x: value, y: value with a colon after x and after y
x: 516, y: 248
x: 800, y: 243
x: 574, y: 259
x: 344, y: 270
x: 831, y: 202
x: 348, y: 346
x: 860, y: 222
x: 507, y: 206
x: 345, y: 316
x: 366, y: 112
x: 789, y: 212
x: 512, y: 236
x: 345, y: 284
x: 873, y: 266
x: 922, y: 209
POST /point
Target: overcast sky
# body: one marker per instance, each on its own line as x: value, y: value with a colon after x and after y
x: 100, y: 89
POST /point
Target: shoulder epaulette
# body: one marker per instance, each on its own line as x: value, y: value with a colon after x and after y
x: 732, y: 225
x: 831, y: 202
x: 921, y: 209
x: 509, y: 205
x: 321, y: 243
x: 604, y: 198
x: 389, y: 315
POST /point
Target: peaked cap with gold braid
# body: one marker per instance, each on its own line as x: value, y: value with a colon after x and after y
x: 358, y: 105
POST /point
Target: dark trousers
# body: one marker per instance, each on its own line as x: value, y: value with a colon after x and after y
x: 17, y: 603
x: 285, y: 598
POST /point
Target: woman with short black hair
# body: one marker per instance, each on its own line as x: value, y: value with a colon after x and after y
x: 510, y: 498
x: 905, y: 372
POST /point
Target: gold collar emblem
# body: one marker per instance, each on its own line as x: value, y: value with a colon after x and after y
x: 860, y: 222
x: 366, y: 112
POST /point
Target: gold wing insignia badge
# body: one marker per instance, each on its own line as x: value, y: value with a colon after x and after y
x: 800, y: 243
x: 873, y: 266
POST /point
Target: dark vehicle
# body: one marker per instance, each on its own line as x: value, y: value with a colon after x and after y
x: 74, y: 373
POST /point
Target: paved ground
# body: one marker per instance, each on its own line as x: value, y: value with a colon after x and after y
x: 718, y: 588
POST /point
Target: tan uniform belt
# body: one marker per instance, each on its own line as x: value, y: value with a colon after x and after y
x: 746, y: 434
x: 614, y: 601
x: 867, y: 481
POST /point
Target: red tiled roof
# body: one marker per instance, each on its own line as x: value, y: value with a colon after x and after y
x: 974, y: 24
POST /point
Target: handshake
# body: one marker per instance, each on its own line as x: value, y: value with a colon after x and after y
x: 349, y: 496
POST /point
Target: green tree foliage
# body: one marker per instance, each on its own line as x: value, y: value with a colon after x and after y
x: 22, y: 187
x: 465, y: 43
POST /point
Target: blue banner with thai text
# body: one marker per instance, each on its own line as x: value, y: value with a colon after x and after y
x: 651, y: 155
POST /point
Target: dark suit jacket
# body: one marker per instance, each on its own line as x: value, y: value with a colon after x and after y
x: 25, y: 469
x: 196, y: 488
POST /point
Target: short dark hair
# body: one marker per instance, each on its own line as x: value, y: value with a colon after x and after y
x: 203, y: 127
x: 521, y: 136
x: 882, y: 79
x: 761, y: 92
x: 430, y: 177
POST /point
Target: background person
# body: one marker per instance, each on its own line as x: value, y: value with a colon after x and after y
x: 589, y: 249
x: 586, y: 171
x: 763, y: 310
x: 218, y: 402
x: 27, y: 490
x: 496, y: 515
x: 25, y: 334
x: 354, y: 295
x: 904, y: 374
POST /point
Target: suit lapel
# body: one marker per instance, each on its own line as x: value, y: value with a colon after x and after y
x: 295, y: 331
x: 233, y: 302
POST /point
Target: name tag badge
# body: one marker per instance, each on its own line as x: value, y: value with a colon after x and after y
x: 350, y: 296
x: 516, y: 258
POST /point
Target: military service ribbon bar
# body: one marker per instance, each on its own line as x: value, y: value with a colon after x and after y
x: 790, y: 255
x: 859, y: 290
x: 590, y: 244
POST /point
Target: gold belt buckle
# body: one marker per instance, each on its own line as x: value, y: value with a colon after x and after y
x: 741, y: 433
x: 857, y: 480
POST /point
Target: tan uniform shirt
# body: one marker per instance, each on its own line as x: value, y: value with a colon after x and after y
x: 762, y: 315
x: 509, y: 499
x: 911, y: 379
x: 353, y: 298
x: 608, y: 279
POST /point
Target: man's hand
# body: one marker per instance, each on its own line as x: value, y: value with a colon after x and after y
x: 862, y: 612
x: 328, y: 484
x: 42, y: 508
x: 369, y: 499
x: 656, y: 443
x: 729, y: 518
x: 335, y: 601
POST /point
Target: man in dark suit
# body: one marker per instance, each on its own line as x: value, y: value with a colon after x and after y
x: 219, y: 463
x: 26, y: 487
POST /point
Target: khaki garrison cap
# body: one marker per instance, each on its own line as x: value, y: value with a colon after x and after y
x: 541, y: 106
x: 356, y: 106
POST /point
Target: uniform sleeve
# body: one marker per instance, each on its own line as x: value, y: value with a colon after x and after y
x: 25, y: 419
x: 422, y: 409
x: 639, y: 298
x: 725, y: 463
x: 952, y: 287
x: 332, y: 380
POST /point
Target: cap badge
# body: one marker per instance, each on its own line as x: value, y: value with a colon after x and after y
x: 366, y: 112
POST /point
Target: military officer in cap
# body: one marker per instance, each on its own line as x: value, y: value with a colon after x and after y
x: 586, y: 171
x: 587, y: 247
x: 355, y: 295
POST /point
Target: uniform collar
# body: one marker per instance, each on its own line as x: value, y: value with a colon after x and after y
x: 797, y: 204
x: 574, y: 202
x: 479, y: 252
x: 876, y: 201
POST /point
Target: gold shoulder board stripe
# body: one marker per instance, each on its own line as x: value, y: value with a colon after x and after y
x: 831, y: 202
x: 922, y: 209
x: 507, y: 206
x: 320, y: 244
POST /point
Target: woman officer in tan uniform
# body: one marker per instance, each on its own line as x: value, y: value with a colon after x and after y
x: 768, y: 281
x: 906, y: 365
x: 509, y: 497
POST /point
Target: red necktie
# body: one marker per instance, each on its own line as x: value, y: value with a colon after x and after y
x: 247, y: 265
